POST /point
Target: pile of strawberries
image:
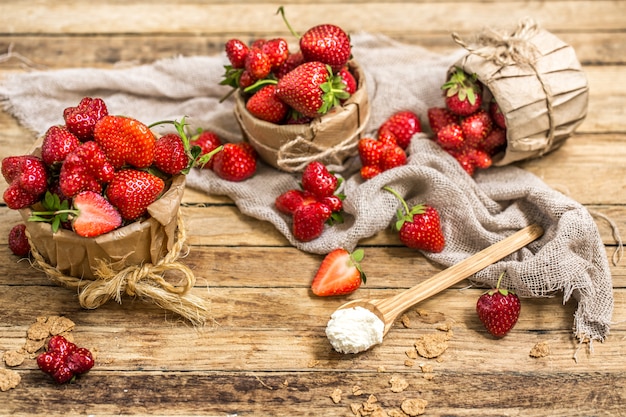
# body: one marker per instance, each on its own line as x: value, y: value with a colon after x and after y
x: 285, y: 87
x: 469, y: 128
x: 98, y: 171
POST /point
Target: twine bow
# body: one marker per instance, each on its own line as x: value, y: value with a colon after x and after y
x: 145, y: 280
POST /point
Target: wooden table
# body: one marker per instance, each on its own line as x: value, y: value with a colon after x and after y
x: 265, y: 353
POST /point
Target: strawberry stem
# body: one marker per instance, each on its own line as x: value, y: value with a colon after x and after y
x: 399, y: 197
x: 281, y: 10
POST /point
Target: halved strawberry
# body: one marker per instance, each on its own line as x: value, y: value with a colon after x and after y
x: 340, y: 273
x: 96, y: 215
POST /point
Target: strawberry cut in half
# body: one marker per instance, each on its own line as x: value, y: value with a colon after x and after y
x: 339, y: 273
x: 96, y: 216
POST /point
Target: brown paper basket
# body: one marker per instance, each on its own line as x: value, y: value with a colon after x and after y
x: 329, y: 139
x: 538, y: 83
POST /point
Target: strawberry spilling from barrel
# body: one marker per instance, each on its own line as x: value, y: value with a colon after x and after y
x: 99, y: 171
x: 292, y: 87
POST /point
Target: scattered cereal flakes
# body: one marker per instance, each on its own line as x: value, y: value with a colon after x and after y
x: 394, y: 412
x: 398, y: 384
x: 9, y: 379
x: 426, y: 368
x: 429, y: 376
x: 356, y: 390
x: 405, y: 320
x: 444, y: 327
x: 540, y: 350
x: 379, y: 412
x: 414, y: 407
x: 13, y: 358
x: 32, y: 346
x: 409, y: 363
x: 381, y: 368
x: 371, y: 404
x: 60, y: 325
x: 336, y: 395
x: 431, y: 346
x: 38, y: 330
x: 354, y: 407
x: 313, y: 363
x: 430, y: 317
x: 411, y: 354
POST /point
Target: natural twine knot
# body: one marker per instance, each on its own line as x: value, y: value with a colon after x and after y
x: 505, y: 48
x: 114, y: 279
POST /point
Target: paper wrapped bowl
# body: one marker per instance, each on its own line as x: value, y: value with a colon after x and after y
x: 330, y: 138
x: 538, y: 83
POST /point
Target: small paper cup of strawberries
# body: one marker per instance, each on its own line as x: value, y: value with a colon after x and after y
x: 100, y: 198
x: 297, y: 106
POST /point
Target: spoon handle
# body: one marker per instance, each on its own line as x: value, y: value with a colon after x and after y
x: 394, y: 306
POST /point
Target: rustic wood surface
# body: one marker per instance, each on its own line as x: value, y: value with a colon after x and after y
x: 265, y: 352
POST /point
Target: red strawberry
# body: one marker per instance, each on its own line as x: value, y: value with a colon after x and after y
x: 439, y: 117
x: 96, y: 215
x: 318, y: 180
x: 258, y: 43
x: 393, y: 156
x: 131, y: 191
x: 451, y: 137
x: 419, y: 227
x: 245, y: 80
x: 63, y: 360
x: 387, y: 138
x: 403, y: 124
x: 328, y: 44
x: 236, y: 52
x: 496, y: 114
x: 370, y: 151
x: 309, y: 220
x: 293, y: 60
x: 27, y: 178
x: 57, y: 143
x: 81, y: 120
x: 265, y: 105
x: 291, y: 200
x: 339, y: 273
x: 495, y: 141
x: 18, y: 242
x: 277, y: 51
x: 480, y: 158
x: 311, y: 89
x: 170, y: 155
x: 348, y: 79
x: 257, y: 63
x: 476, y: 127
x: 463, y: 93
x: 235, y: 162
x: 370, y: 171
x: 207, y: 141
x: 465, y: 160
x: 334, y: 202
x: 498, y: 309
x: 85, y: 168
x: 125, y: 141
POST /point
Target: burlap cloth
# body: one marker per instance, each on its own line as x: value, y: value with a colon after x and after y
x: 569, y: 260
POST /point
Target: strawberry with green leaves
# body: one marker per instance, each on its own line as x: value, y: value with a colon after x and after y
x: 419, y: 227
x: 207, y: 141
x: 235, y: 161
x: 463, y: 93
x: 131, y: 191
x: 27, y: 178
x: 170, y: 155
x: 125, y: 141
x: 81, y: 120
x: 498, y: 309
x: 339, y: 273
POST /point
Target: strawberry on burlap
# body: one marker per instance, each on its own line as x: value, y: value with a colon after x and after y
x: 569, y: 259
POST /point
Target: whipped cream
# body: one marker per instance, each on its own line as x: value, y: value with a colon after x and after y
x: 354, y: 330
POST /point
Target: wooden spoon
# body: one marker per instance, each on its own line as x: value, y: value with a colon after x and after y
x: 389, y: 309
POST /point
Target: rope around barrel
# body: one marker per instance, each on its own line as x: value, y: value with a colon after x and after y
x: 145, y: 280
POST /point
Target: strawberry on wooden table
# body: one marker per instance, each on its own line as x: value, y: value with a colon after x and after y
x: 498, y: 309
x: 131, y: 191
x: 340, y: 273
x: 419, y: 227
x: 18, y: 241
x: 64, y: 360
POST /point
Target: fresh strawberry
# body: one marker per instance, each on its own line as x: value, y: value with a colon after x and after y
x: 392, y: 157
x: 419, y: 227
x: 451, y: 137
x: 480, y: 158
x: 387, y: 138
x: 496, y: 114
x: 207, y: 141
x: 291, y: 200
x: 328, y: 44
x: 370, y: 171
x: 293, y: 60
x: 85, y: 168
x: 81, y: 120
x: 131, y: 191
x: 348, y: 79
x: 495, y: 141
x: 96, y: 215
x: 318, y: 180
x: 265, y: 105
x: 466, y: 161
x: 311, y: 89
x: 438, y: 117
x: 334, y: 202
x: 309, y: 220
x: 63, y: 360
x: 339, y: 273
x: 170, y: 155
x: 27, y: 178
x: 403, y: 124
x: 277, y: 51
x: 258, y: 43
x: 236, y: 52
x: 235, y: 162
x: 245, y: 80
x: 370, y: 151
x: 57, y: 143
x: 257, y: 63
x: 498, y: 309
x: 463, y: 93
x: 18, y: 241
x: 476, y: 127
x: 125, y: 141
